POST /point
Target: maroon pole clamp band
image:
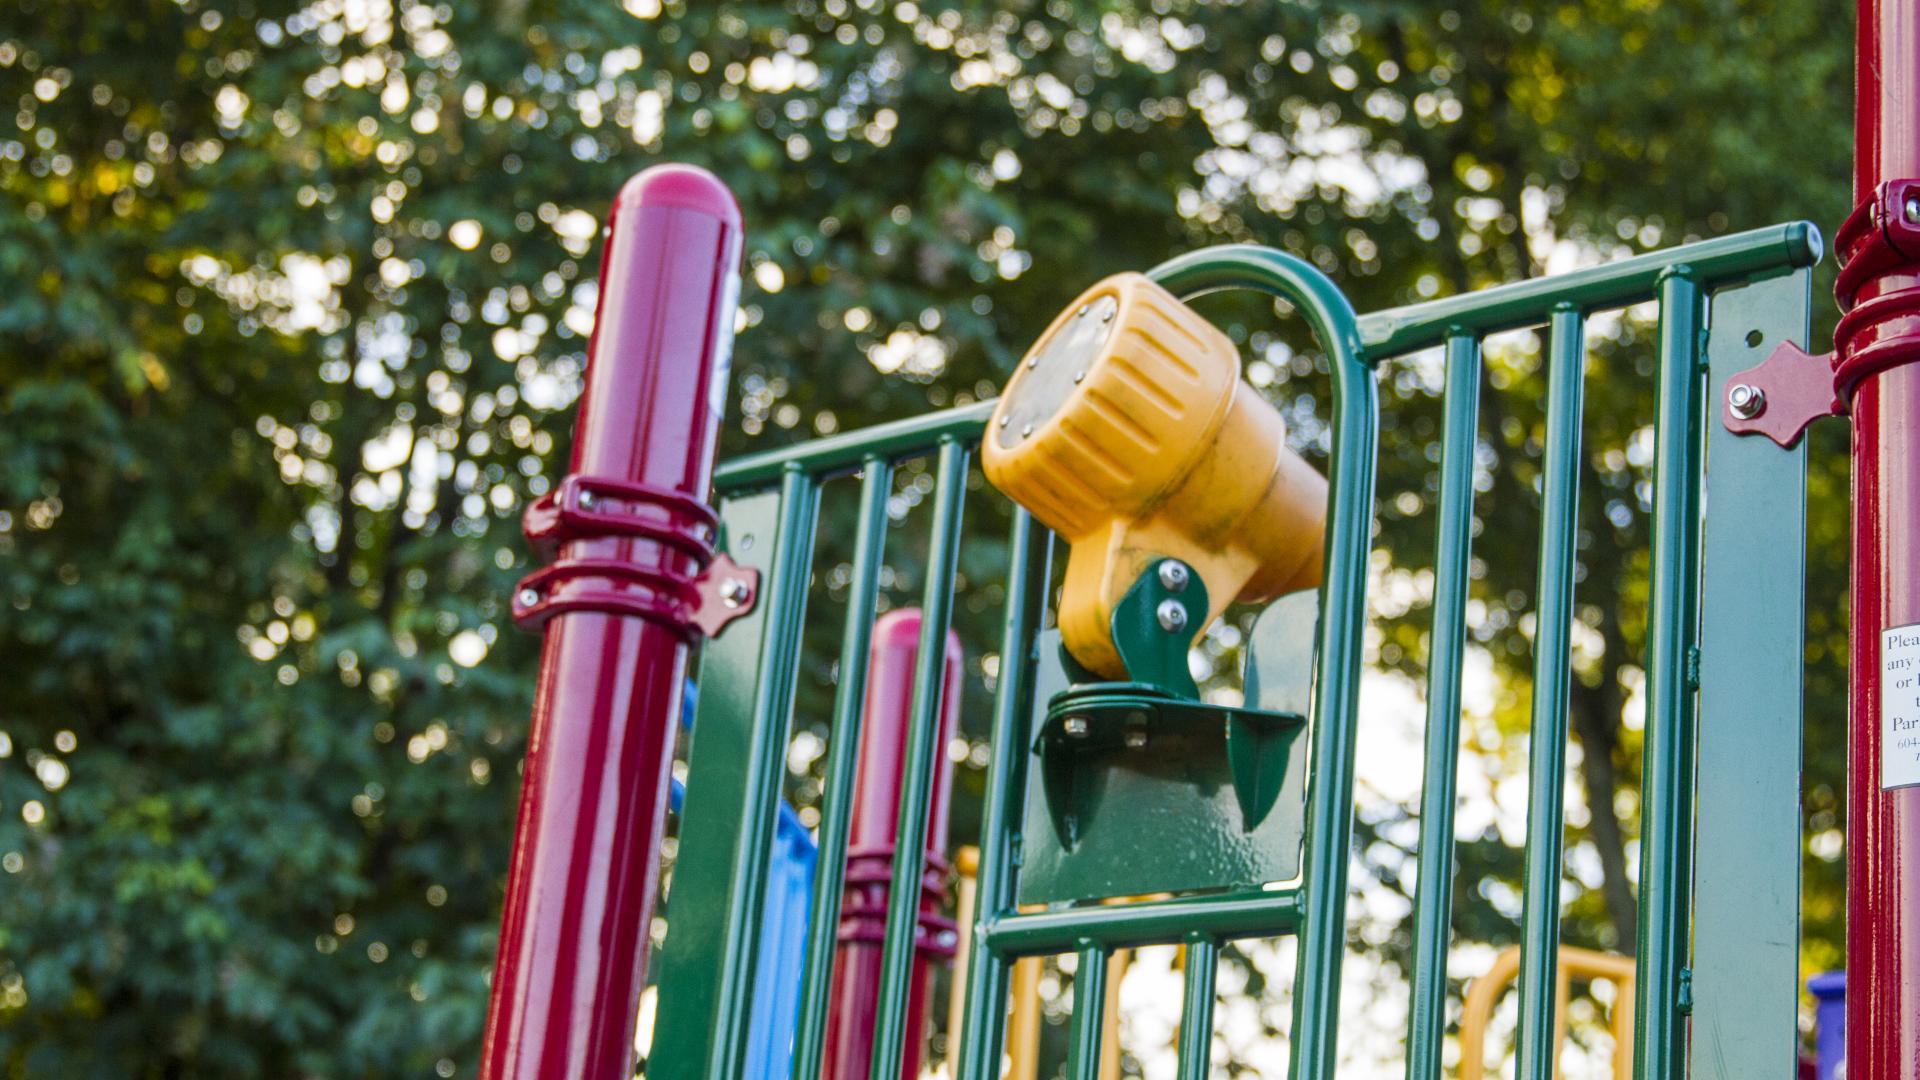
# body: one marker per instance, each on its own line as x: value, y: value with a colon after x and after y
x: 632, y: 579
x: 669, y: 591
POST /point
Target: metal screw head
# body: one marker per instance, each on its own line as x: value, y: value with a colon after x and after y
x: 733, y: 592
x: 529, y: 597
x: 1912, y: 210
x: 1026, y: 430
x: 1082, y: 313
x: 1173, y: 575
x: 1005, y: 420
x: 1079, y: 377
x: 1075, y: 726
x: 1136, y: 739
x: 1173, y: 617
x: 1746, y: 400
x: 586, y: 500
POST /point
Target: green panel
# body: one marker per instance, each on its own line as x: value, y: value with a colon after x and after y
x: 1446, y: 653
x: 1552, y: 663
x: 735, y: 759
x: 1217, y: 795
x: 1666, y: 772
x: 1747, y: 882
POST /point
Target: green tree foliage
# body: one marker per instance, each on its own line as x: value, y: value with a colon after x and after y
x: 295, y: 315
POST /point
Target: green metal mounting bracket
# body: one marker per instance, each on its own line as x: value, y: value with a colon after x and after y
x: 1145, y: 783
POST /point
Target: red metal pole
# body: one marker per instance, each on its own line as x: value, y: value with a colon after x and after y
x: 1876, y: 344
x: 626, y: 533
x: 870, y: 852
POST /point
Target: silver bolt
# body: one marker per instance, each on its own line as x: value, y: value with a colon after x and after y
x: 529, y: 597
x: 1746, y: 400
x: 1026, y: 430
x: 1005, y: 420
x: 733, y: 592
x: 1075, y: 726
x: 1173, y: 575
x: 1082, y: 313
x: 1033, y: 361
x: 1173, y: 617
x: 947, y: 939
x: 586, y: 500
x: 1912, y: 210
x: 1136, y: 739
x: 1078, y: 377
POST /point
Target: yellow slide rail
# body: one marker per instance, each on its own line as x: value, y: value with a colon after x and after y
x: 1585, y: 965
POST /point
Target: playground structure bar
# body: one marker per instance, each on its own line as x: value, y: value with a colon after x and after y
x: 1877, y: 343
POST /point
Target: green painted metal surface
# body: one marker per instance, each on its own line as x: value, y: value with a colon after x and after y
x: 1742, y: 1003
x: 1552, y: 667
x: 1746, y: 955
x: 1446, y: 655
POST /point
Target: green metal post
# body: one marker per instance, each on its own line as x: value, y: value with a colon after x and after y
x: 923, y: 744
x: 1087, y: 1030
x: 1552, y: 661
x: 715, y: 904
x: 1667, y: 767
x: 982, y: 1028
x: 1196, y: 1015
x: 836, y: 799
x: 1446, y: 654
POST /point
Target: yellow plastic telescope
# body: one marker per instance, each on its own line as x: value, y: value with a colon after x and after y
x: 1128, y: 431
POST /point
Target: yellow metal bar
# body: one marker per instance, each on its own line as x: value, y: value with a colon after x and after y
x: 966, y: 862
x: 1574, y: 963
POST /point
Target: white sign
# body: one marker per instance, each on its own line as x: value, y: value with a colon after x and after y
x: 1900, y: 706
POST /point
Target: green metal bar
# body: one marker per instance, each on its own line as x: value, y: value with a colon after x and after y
x: 983, y: 1026
x: 1719, y: 261
x: 1196, y: 1015
x: 840, y: 454
x: 1552, y: 663
x: 1746, y: 955
x: 1446, y: 652
x: 1355, y: 421
x: 719, y: 887
x: 923, y: 749
x: 836, y: 799
x: 1667, y: 764
x: 1086, y: 1030
x: 1158, y: 922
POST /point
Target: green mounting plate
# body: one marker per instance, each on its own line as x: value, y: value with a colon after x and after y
x: 1139, y: 790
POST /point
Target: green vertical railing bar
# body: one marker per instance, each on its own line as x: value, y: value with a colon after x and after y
x: 1667, y: 767
x: 983, y: 1029
x: 1552, y: 661
x: 1350, y: 471
x: 1196, y: 1014
x: 836, y: 798
x: 1446, y: 653
x: 719, y: 885
x: 1086, y: 1030
x: 923, y: 749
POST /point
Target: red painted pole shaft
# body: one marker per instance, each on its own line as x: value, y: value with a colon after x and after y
x: 580, y: 891
x: 1883, y: 856
x: 870, y: 851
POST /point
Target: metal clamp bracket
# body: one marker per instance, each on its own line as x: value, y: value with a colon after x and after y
x: 587, y: 528
x: 1781, y: 395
